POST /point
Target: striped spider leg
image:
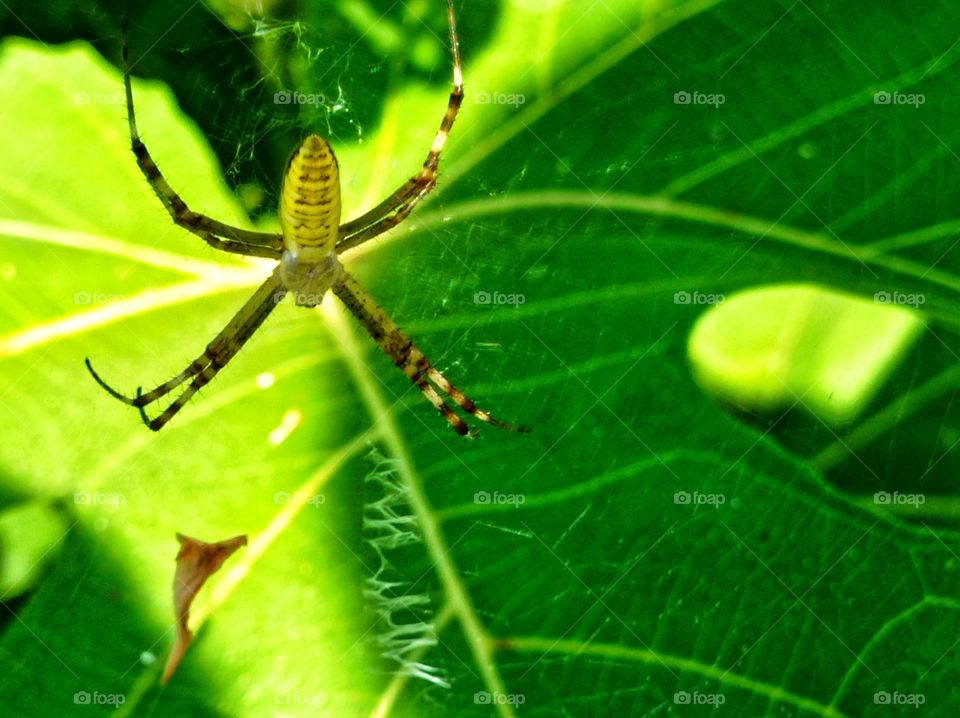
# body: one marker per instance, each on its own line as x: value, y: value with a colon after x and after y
x: 308, y: 248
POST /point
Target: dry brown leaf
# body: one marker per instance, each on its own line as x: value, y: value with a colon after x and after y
x: 196, y: 562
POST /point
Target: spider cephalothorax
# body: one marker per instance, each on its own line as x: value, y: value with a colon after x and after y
x: 307, y: 249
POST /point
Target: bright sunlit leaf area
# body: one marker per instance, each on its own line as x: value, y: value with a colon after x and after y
x: 707, y: 251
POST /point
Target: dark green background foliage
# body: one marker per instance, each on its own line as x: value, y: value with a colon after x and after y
x: 596, y: 198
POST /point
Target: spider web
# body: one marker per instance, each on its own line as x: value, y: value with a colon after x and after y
x: 601, y: 592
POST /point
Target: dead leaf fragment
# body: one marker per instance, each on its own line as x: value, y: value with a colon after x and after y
x: 196, y: 562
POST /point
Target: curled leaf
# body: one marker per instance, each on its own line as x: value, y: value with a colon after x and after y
x: 196, y: 562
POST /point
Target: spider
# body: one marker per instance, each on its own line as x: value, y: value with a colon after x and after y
x: 308, y: 247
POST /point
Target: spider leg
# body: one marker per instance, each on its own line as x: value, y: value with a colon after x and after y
x: 214, y: 358
x: 410, y: 359
x: 109, y: 389
x: 216, y: 234
x: 379, y: 227
x: 395, y: 208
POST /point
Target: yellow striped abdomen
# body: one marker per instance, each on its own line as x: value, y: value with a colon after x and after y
x: 310, y: 197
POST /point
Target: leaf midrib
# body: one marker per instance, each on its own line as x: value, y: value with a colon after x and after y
x: 230, y: 278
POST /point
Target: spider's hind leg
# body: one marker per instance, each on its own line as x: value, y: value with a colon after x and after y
x: 410, y: 360
x: 141, y: 400
x: 206, y: 366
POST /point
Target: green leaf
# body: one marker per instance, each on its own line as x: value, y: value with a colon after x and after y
x: 763, y: 348
x: 641, y: 550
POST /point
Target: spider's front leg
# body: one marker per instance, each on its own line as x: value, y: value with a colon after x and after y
x: 398, y: 206
x: 217, y: 234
